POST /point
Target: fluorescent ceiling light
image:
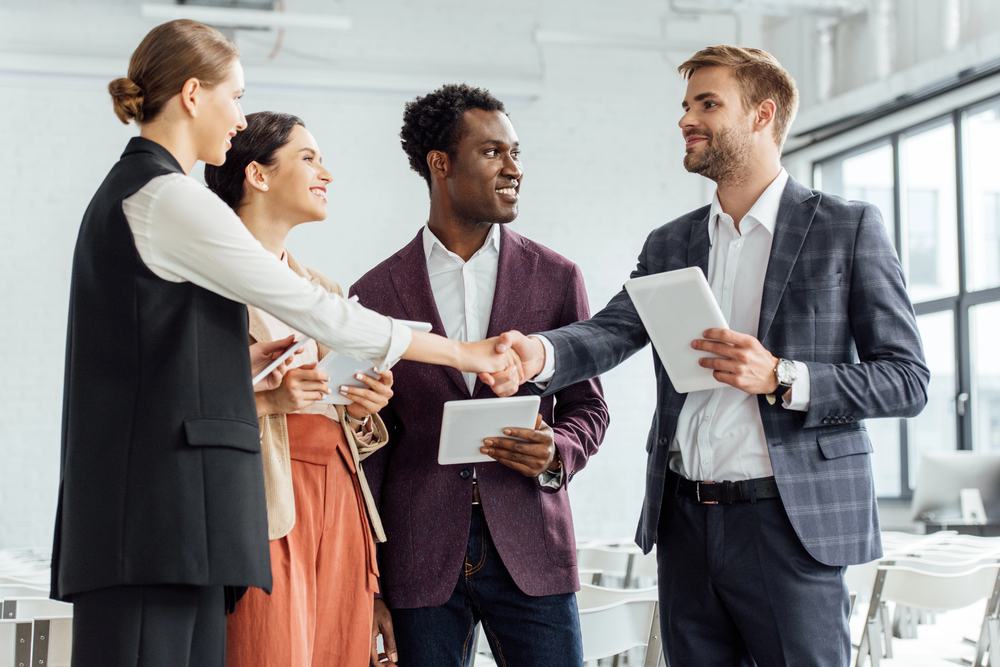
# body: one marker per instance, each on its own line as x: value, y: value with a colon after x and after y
x: 244, y: 18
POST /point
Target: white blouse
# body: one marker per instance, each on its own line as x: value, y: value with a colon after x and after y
x: 185, y: 233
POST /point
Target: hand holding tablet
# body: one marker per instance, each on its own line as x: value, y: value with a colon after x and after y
x: 465, y: 424
x: 342, y: 370
x: 677, y: 307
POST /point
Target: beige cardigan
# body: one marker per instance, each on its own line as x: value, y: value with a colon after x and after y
x: 274, y: 437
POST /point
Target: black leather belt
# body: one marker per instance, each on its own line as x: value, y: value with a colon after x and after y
x: 722, y: 493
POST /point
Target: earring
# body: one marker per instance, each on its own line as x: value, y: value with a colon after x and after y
x: 263, y: 187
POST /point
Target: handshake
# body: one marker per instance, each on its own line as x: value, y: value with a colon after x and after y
x: 526, y: 356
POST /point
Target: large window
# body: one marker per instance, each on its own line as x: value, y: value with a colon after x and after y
x: 937, y: 186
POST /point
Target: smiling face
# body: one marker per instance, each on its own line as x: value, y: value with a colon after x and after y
x: 484, y: 179
x: 718, y: 136
x: 296, y: 182
x: 219, y: 116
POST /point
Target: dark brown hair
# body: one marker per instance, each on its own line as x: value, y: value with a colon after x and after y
x: 760, y: 77
x: 266, y: 133
x: 169, y: 55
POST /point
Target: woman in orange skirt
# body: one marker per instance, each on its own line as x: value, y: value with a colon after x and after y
x: 321, y: 517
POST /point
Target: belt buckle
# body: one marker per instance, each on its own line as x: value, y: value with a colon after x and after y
x: 697, y: 493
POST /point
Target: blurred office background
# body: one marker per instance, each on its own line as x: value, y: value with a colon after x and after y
x: 900, y: 107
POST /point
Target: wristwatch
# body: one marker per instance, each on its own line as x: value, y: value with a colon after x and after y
x: 348, y: 419
x: 785, y: 374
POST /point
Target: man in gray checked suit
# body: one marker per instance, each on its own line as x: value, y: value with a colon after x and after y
x: 759, y: 493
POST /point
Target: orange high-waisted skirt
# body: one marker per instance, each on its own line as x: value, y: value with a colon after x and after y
x: 319, y: 612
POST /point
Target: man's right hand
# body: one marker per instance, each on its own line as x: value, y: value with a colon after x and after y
x: 532, y: 355
x: 382, y: 625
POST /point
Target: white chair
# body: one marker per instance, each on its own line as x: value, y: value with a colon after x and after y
x: 928, y: 585
x: 590, y: 597
x: 613, y: 562
x: 620, y: 626
x: 643, y: 569
x: 30, y: 608
x: 22, y: 591
x: 15, y: 643
x: 614, y: 620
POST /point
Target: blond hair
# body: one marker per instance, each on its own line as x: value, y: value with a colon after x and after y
x: 168, y: 56
x: 760, y: 77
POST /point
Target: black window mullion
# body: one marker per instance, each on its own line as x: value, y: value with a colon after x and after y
x: 963, y: 343
x: 897, y: 222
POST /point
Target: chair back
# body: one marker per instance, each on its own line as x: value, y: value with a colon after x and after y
x: 590, y: 597
x: 615, y: 628
x: 938, y: 587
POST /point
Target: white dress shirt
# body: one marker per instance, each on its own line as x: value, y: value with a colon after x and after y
x: 463, y: 292
x: 719, y: 434
x: 185, y: 233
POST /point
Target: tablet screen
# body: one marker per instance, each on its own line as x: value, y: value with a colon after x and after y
x: 465, y: 424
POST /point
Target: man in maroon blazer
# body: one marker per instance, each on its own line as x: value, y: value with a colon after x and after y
x: 493, y: 542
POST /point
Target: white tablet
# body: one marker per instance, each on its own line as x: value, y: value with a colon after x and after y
x: 342, y: 369
x: 466, y: 424
x: 284, y: 355
x: 676, y: 307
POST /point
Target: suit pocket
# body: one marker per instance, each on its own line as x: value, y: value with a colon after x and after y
x: 844, y: 443
x: 231, y: 433
x: 815, y: 283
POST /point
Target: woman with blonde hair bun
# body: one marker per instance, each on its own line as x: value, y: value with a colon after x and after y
x: 161, y: 523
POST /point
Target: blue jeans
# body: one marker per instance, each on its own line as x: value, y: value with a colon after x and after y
x: 523, y: 631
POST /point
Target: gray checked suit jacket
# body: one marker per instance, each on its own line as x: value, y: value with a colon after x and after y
x: 833, y: 298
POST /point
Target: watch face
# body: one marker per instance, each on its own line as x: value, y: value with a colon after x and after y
x: 785, y: 372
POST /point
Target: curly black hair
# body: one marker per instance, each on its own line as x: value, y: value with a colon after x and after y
x: 434, y: 122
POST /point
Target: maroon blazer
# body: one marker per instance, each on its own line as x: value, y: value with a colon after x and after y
x: 426, y: 508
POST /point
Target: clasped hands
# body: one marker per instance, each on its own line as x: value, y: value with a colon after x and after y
x: 740, y: 361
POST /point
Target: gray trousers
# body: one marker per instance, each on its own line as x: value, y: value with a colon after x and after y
x: 738, y: 589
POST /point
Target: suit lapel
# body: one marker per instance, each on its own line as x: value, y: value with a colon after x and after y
x: 413, y: 287
x: 698, y: 247
x: 795, y: 215
x: 515, y: 277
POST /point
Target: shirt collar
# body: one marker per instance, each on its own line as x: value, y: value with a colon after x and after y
x: 431, y: 241
x: 764, y: 210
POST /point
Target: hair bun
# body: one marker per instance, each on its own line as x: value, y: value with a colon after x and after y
x: 127, y: 98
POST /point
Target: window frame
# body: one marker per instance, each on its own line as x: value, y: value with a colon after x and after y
x: 960, y: 304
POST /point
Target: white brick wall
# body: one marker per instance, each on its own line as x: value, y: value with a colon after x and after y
x: 602, y: 168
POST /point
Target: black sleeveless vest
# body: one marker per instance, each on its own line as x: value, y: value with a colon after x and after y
x: 161, y: 473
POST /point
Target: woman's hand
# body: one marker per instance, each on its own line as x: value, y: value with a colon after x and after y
x: 300, y: 387
x: 262, y: 354
x: 490, y: 356
x: 368, y: 401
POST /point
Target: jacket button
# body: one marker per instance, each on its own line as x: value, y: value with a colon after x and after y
x: 663, y: 439
x: 465, y: 473
x: 850, y: 419
x: 826, y: 420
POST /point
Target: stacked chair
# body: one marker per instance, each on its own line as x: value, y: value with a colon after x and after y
x: 34, y: 630
x: 622, y: 612
x: 922, y: 575
x: 619, y: 612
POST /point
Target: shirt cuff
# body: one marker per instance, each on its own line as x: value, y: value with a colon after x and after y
x: 797, y: 398
x: 549, y: 369
x: 400, y: 338
x: 551, y: 478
